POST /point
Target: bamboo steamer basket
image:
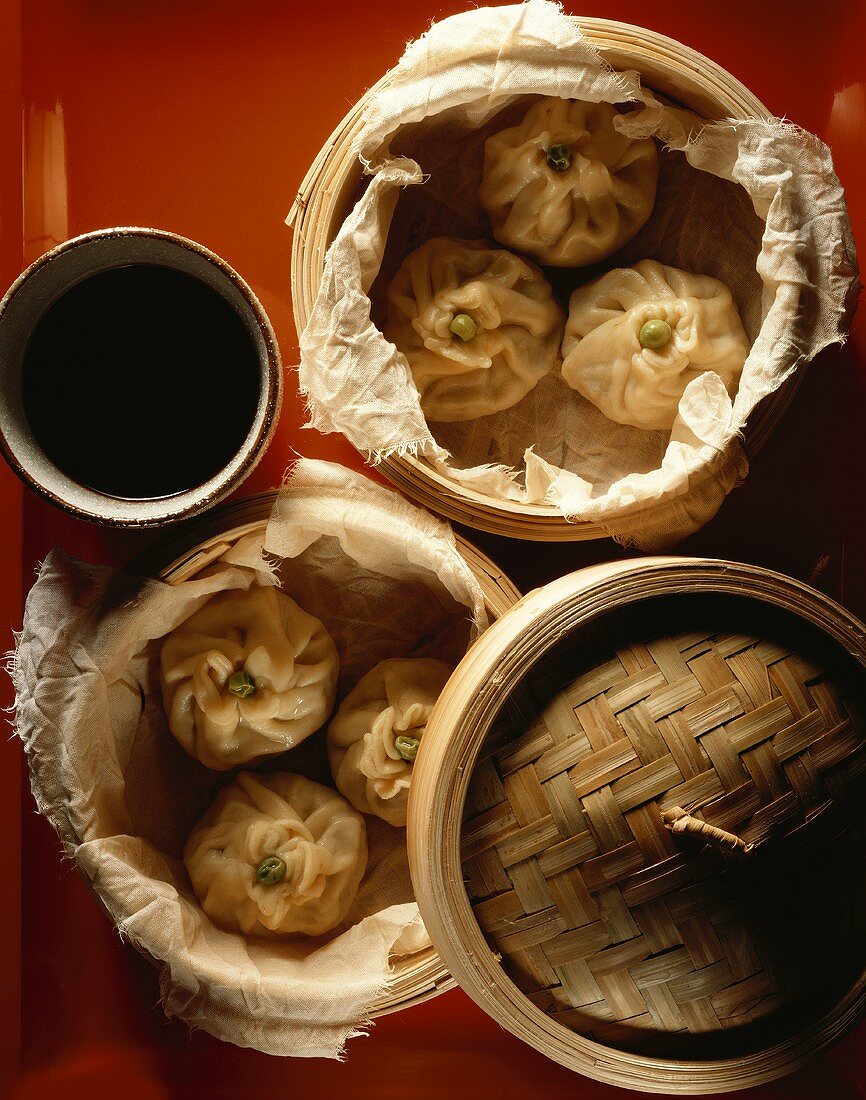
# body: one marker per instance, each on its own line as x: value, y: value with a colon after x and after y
x: 334, y: 183
x: 200, y: 542
x: 583, y: 775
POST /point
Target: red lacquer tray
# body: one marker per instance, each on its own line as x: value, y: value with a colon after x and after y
x: 201, y: 116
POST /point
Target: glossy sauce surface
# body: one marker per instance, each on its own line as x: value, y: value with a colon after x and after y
x: 140, y: 382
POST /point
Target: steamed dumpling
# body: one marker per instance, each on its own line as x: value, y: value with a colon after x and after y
x: 508, y: 324
x: 636, y: 337
x: 373, y: 737
x: 565, y: 186
x: 248, y: 675
x: 276, y: 855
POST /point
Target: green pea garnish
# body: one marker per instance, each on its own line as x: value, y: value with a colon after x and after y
x: 271, y: 871
x: 407, y: 746
x: 559, y: 158
x: 242, y: 684
x: 654, y: 334
x: 463, y: 327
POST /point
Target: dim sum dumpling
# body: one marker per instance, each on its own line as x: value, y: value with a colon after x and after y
x: 248, y: 675
x: 276, y: 855
x: 636, y: 338
x: 478, y: 325
x: 374, y: 736
x: 565, y: 186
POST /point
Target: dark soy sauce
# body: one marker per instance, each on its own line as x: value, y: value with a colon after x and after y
x: 140, y: 382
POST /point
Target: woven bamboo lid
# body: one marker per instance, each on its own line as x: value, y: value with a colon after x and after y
x: 636, y: 828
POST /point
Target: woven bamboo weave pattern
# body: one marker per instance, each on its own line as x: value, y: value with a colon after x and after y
x: 614, y: 926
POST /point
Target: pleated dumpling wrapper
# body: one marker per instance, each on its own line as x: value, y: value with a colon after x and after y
x: 565, y: 186
x: 637, y: 336
x: 277, y: 855
x: 478, y: 325
x: 374, y: 736
x: 248, y: 675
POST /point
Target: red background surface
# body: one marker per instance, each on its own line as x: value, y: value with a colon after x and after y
x: 201, y: 116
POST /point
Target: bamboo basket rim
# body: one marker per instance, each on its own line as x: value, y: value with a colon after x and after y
x: 333, y: 177
x: 454, y: 738
x: 203, y: 539
x: 168, y: 552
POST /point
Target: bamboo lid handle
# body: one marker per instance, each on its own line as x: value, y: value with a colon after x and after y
x: 678, y: 821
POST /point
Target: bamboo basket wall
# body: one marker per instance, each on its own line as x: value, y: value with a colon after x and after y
x: 545, y: 871
x: 199, y: 543
x: 334, y: 183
